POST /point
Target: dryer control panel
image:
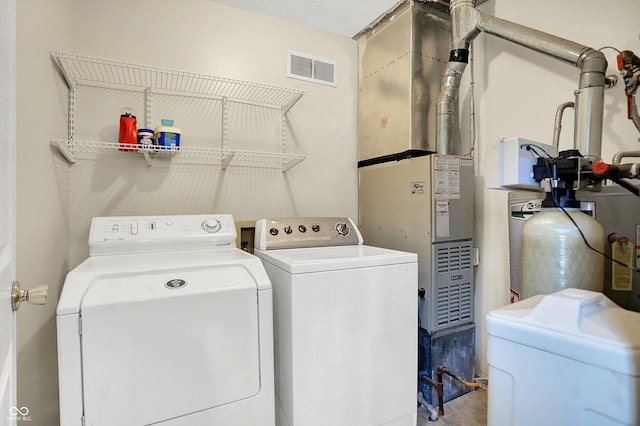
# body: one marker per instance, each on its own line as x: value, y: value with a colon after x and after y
x: 143, y: 234
x: 301, y: 232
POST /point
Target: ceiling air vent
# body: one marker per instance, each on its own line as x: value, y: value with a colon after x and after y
x: 310, y: 68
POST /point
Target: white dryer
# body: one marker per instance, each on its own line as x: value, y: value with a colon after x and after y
x: 345, y: 324
x: 168, y: 323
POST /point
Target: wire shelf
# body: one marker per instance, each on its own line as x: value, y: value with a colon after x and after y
x: 81, y: 70
x: 70, y: 148
x: 87, y: 70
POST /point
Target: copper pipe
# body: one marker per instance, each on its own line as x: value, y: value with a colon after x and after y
x: 439, y: 387
x: 443, y: 370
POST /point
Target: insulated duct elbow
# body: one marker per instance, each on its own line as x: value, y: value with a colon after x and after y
x: 464, y: 23
x: 464, y: 18
x: 446, y: 106
x: 593, y: 67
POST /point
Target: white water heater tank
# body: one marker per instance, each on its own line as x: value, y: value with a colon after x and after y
x: 555, y: 256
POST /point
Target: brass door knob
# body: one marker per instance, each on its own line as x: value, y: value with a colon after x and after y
x: 36, y: 295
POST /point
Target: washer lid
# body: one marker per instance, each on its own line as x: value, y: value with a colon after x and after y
x: 122, y: 288
x: 320, y: 259
x: 96, y: 268
x: 577, y: 324
x: 159, y: 346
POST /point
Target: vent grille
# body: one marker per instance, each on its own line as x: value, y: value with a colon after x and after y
x: 300, y: 66
x: 454, y: 304
x: 324, y: 71
x: 310, y: 68
x: 453, y: 259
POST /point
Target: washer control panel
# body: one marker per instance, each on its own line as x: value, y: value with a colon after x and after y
x: 139, y: 234
x: 300, y: 232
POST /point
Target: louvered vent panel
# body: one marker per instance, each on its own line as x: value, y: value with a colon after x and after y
x: 452, y: 259
x: 454, y: 304
x: 324, y: 71
x: 301, y: 66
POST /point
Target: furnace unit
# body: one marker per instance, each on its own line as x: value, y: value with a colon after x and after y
x: 411, y: 198
x: 425, y: 205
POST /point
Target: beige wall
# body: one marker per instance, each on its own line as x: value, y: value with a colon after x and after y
x: 42, y: 234
x: 56, y: 200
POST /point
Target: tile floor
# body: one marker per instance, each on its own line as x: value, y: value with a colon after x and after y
x: 468, y: 410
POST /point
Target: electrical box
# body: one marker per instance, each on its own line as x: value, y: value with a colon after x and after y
x: 511, y: 163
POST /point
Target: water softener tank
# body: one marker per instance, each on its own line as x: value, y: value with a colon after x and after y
x: 555, y: 256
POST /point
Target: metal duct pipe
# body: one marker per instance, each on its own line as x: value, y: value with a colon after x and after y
x: 467, y: 22
x: 589, y: 111
x: 464, y: 17
x: 446, y: 107
x: 539, y: 41
x: 464, y: 23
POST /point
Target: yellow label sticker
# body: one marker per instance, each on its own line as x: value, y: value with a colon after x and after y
x: 621, y: 278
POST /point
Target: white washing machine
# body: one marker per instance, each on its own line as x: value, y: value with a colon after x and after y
x: 168, y: 323
x: 345, y: 324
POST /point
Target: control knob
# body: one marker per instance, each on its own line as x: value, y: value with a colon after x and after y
x: 342, y: 228
x: 211, y: 225
x: 288, y: 230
